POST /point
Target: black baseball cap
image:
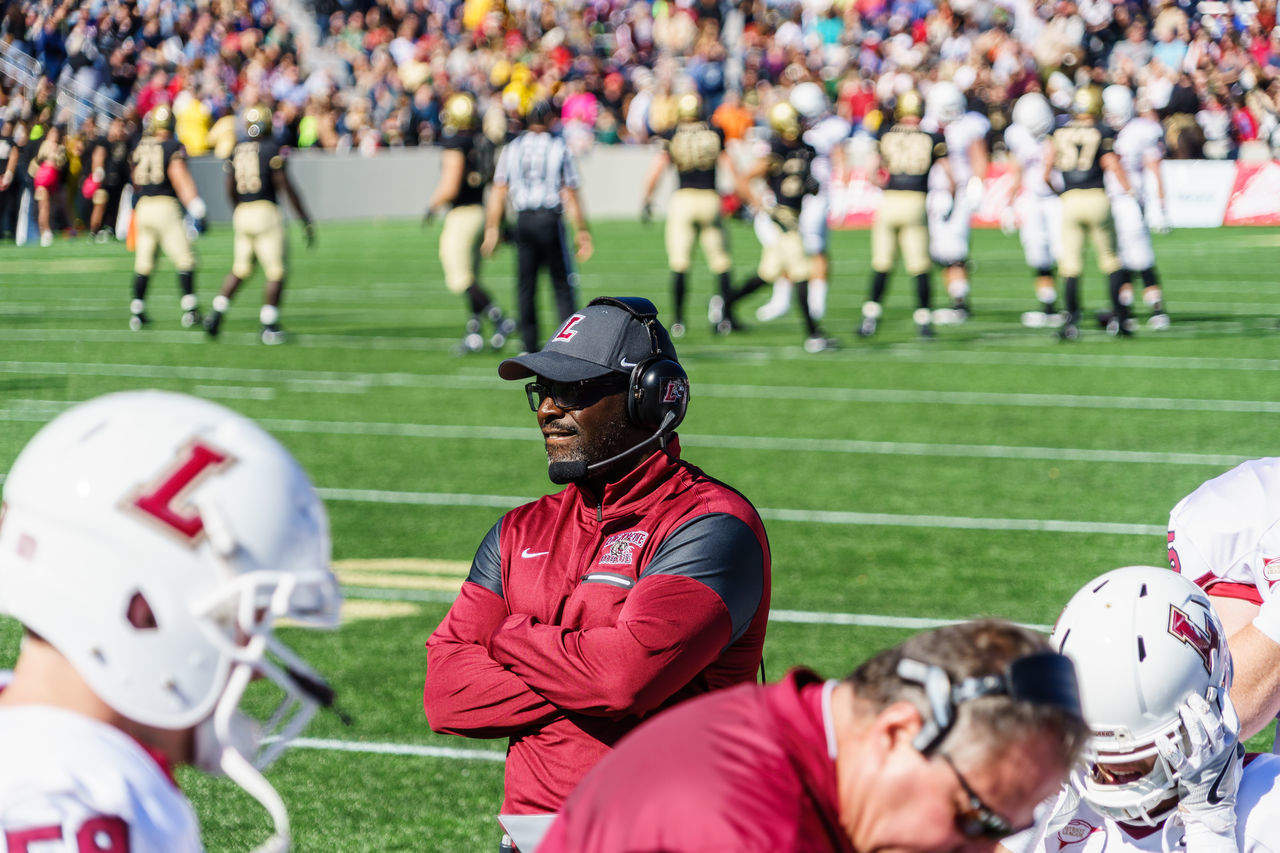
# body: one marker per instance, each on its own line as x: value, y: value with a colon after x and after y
x: 602, y: 339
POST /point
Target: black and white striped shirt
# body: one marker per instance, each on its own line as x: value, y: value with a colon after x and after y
x: 535, y: 167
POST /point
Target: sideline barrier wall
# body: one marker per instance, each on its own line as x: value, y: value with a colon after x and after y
x: 397, y: 183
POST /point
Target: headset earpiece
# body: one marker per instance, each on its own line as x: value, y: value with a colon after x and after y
x: 659, y: 386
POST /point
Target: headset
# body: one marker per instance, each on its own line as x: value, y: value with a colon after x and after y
x: 1044, y: 678
x: 658, y: 392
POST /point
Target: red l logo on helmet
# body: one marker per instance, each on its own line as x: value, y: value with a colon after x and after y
x: 165, y: 501
x: 1203, y: 641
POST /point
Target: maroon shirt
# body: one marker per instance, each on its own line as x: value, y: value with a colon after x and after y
x: 579, y: 619
x: 746, y: 770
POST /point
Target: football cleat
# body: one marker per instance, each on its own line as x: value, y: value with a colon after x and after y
x: 1042, y: 319
x: 1120, y: 328
x: 1070, y: 329
x: 868, y: 327
x: 137, y: 321
x: 191, y: 318
x: 950, y: 316
x: 926, y: 331
x: 1158, y: 321
x: 818, y: 343
x: 715, y: 310
x: 212, y: 323
x: 272, y: 334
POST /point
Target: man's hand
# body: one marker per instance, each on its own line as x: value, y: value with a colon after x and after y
x: 1160, y: 223
x: 646, y: 212
x: 1209, y: 774
x: 309, y: 234
x: 585, y: 247
x: 490, y: 243
x: 428, y: 217
x: 1008, y: 220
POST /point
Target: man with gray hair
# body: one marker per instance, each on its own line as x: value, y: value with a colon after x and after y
x: 944, y: 742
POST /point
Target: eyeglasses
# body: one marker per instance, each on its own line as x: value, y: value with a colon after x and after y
x: 980, y: 820
x: 571, y: 395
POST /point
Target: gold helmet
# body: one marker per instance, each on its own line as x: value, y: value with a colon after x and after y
x: 909, y: 105
x: 689, y: 107
x: 460, y: 111
x: 160, y: 118
x: 784, y: 120
x: 1087, y: 101
x: 257, y: 121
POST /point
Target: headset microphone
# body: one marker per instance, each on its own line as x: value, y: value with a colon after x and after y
x: 561, y: 473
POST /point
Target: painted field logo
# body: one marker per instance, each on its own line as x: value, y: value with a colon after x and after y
x: 619, y: 549
x: 1077, y: 830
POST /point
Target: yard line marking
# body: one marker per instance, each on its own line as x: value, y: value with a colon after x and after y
x: 875, y: 519
x: 376, y: 748
x: 235, y: 392
x: 726, y: 391
x: 480, y: 432
x: 405, y: 564
x: 864, y: 620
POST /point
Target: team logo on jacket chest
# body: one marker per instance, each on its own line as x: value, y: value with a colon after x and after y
x: 619, y: 549
x: 1075, y: 831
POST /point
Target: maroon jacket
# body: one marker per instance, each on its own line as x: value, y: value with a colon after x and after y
x: 579, y: 619
x: 747, y: 770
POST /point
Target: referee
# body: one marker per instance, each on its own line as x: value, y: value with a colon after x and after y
x: 537, y: 172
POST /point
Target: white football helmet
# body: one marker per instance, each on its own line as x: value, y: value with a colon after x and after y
x: 1117, y: 106
x: 154, y: 540
x: 945, y: 103
x: 809, y: 100
x: 1143, y: 640
x: 1033, y: 114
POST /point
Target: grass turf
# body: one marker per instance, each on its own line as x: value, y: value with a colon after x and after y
x: 988, y: 472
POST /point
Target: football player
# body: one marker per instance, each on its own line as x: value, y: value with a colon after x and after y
x: 256, y: 176
x: 787, y: 171
x: 162, y: 187
x: 1082, y: 151
x: 1036, y: 211
x: 466, y: 169
x: 1140, y: 148
x: 150, y: 544
x: 827, y: 133
x: 1163, y: 767
x: 696, y: 148
x: 1225, y: 536
x: 905, y: 155
x: 955, y: 192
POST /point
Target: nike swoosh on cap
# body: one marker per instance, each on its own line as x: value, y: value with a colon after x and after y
x: 626, y: 363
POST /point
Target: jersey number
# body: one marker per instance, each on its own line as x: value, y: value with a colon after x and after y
x: 245, y: 163
x: 1075, y: 148
x: 148, y: 166
x: 100, y: 834
x: 907, y: 153
x: 163, y: 502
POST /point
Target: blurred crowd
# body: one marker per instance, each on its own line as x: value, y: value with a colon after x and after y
x: 369, y: 75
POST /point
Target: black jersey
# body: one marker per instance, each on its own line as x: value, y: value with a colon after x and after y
x: 254, y: 164
x: 151, y: 159
x: 116, y: 167
x: 694, y: 148
x: 1078, y: 147
x: 907, y: 153
x: 479, y: 155
x: 790, y: 177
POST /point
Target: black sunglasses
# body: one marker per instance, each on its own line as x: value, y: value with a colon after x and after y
x: 980, y: 820
x: 572, y: 395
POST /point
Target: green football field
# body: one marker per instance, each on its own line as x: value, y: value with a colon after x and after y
x: 903, y: 483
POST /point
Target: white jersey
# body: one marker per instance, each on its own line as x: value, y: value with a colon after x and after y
x: 1029, y: 153
x: 69, y: 784
x: 825, y: 136
x: 1085, y: 831
x: 1140, y: 140
x: 1226, y: 533
x: 960, y: 136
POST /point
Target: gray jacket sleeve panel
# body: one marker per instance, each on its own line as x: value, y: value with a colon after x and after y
x: 721, y: 552
x: 486, y: 568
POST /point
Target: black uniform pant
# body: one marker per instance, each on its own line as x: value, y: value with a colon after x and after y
x: 540, y: 241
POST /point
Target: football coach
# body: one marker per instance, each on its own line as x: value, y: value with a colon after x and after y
x: 642, y: 583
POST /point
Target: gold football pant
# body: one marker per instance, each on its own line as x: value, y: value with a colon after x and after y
x: 160, y: 227
x: 900, y: 222
x: 784, y: 257
x: 258, y: 230
x: 1087, y: 211
x: 460, y: 240
x: 696, y: 213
